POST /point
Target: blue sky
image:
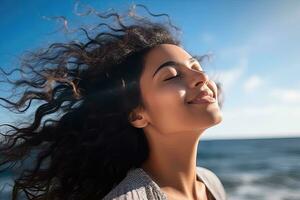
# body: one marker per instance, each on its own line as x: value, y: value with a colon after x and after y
x: 254, y: 47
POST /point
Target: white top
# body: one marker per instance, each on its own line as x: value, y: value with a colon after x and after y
x: 138, y: 185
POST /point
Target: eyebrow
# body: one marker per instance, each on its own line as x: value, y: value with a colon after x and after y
x: 172, y: 63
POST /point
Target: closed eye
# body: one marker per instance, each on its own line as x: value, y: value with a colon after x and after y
x: 196, y: 67
x: 179, y: 75
x: 172, y: 77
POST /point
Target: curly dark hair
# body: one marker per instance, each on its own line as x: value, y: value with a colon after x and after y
x: 81, y: 137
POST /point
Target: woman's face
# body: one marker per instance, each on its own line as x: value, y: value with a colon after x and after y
x: 165, y: 98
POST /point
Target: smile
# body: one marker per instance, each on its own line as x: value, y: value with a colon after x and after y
x: 203, y: 100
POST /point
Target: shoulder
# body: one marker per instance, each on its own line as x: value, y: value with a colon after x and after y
x: 135, y: 186
x: 212, y: 182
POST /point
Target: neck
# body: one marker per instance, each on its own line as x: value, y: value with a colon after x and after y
x: 172, y: 162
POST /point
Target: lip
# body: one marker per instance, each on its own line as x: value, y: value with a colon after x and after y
x: 203, y: 100
x: 203, y: 97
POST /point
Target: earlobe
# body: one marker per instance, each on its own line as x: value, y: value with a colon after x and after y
x: 139, y: 123
x: 137, y: 120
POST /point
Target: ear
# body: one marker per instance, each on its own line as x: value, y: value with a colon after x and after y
x: 138, y: 118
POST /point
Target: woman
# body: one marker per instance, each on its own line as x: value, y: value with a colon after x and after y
x: 120, y: 117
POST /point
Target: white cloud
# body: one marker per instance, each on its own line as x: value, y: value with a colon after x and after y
x: 278, y: 112
x: 229, y: 77
x: 252, y: 83
x: 286, y: 95
x: 274, y: 120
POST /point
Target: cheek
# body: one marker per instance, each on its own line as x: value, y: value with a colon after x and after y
x: 167, y: 97
x: 167, y: 107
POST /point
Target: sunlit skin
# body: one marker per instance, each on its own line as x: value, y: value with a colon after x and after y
x: 172, y: 126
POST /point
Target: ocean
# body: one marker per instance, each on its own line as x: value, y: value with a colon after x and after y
x: 252, y: 169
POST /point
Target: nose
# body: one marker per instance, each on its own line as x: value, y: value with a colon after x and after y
x: 198, y: 77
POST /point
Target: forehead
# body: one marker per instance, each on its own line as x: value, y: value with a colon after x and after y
x: 163, y: 53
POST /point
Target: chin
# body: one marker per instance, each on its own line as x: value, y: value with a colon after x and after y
x: 219, y: 118
x: 215, y: 119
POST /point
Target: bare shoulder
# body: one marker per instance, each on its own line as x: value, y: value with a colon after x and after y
x: 212, y: 182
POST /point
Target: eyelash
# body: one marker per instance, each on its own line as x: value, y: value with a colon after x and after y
x: 180, y: 76
x: 172, y: 77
